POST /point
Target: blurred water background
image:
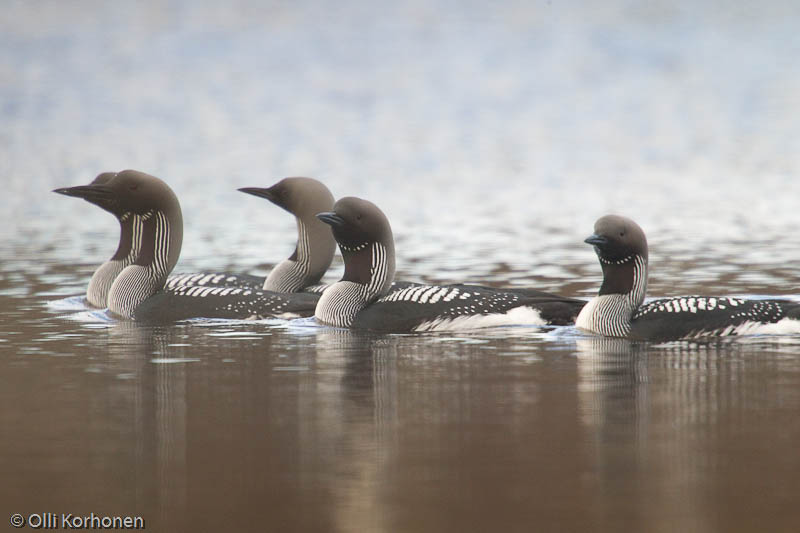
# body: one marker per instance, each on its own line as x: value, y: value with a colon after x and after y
x: 492, y: 134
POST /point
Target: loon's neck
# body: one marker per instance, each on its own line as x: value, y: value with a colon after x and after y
x: 341, y: 301
x: 127, y: 250
x: 312, y: 256
x: 159, y: 245
x: 622, y: 292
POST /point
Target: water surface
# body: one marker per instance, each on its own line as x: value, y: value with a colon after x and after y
x: 493, y: 137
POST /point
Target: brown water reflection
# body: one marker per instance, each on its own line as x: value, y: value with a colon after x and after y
x: 687, y: 434
x: 220, y: 426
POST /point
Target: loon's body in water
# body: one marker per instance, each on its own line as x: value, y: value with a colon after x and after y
x: 313, y: 253
x: 619, y: 309
x: 148, y: 208
x: 365, y: 299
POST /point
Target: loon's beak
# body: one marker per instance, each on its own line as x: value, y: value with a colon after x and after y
x: 331, y: 218
x: 91, y: 193
x: 261, y: 193
x: 596, y: 240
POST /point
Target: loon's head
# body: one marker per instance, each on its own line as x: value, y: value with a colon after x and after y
x: 149, y: 198
x: 98, y: 192
x: 617, y: 239
x: 620, y: 245
x: 141, y: 194
x: 126, y: 192
x: 131, y: 196
x: 304, y: 198
x: 365, y: 238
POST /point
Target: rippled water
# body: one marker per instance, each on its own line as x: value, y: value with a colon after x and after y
x: 493, y: 137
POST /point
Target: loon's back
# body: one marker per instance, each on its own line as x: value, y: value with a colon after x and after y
x: 182, y: 303
x: 702, y: 316
x: 430, y: 307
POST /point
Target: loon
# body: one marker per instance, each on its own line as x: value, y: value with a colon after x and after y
x: 138, y: 290
x: 104, y: 276
x: 365, y: 298
x: 619, y: 309
x: 313, y: 254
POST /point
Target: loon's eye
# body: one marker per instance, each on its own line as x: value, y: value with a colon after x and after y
x: 133, y: 186
x: 358, y: 217
x: 621, y: 233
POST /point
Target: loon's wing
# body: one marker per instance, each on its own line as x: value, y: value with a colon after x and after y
x: 180, y: 303
x: 215, y: 279
x: 702, y: 316
x: 423, y: 307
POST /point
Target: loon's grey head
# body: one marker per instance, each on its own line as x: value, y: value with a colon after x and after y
x: 134, y: 195
x: 621, y: 247
x: 140, y: 193
x: 313, y: 254
x: 302, y: 197
x: 98, y: 192
x: 128, y: 191
x: 154, y: 201
x: 365, y: 239
x: 101, y: 193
